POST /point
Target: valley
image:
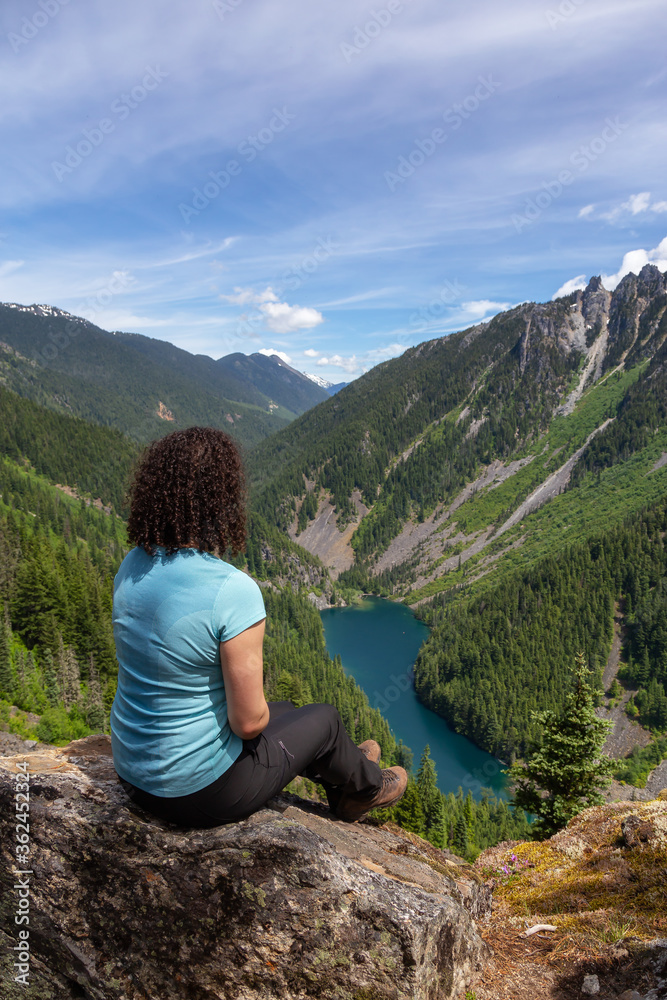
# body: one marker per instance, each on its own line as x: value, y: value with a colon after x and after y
x: 508, y: 483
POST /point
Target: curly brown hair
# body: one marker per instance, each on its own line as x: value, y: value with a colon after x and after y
x: 189, y: 491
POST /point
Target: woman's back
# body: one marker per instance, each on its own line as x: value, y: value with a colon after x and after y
x: 170, y: 731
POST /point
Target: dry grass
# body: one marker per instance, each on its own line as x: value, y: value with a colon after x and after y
x: 606, y: 900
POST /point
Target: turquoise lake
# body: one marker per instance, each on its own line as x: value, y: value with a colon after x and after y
x: 378, y: 642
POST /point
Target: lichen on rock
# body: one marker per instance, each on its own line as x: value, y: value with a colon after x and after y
x: 288, y: 903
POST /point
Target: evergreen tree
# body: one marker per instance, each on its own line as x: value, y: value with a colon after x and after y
x: 50, y: 678
x: 436, y: 830
x: 426, y: 785
x: 94, y: 703
x: 69, y: 677
x: 565, y: 771
x: 460, y: 843
x: 403, y: 756
x: 408, y: 813
x: 6, y: 674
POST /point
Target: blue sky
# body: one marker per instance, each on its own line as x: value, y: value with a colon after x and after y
x: 333, y: 181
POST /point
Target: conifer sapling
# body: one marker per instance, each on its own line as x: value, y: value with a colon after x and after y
x: 565, y: 771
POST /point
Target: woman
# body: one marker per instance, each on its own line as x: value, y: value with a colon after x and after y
x: 194, y: 740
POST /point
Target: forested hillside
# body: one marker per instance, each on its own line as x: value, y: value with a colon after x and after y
x: 141, y: 386
x: 503, y: 651
x: 94, y: 461
x: 58, y: 556
x: 410, y: 434
x: 509, y: 483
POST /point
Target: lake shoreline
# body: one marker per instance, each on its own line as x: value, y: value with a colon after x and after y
x: 378, y: 640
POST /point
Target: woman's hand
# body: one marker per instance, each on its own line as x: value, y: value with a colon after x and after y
x: 243, y: 674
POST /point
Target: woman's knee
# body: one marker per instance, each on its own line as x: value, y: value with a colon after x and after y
x: 331, y: 713
x: 326, y: 715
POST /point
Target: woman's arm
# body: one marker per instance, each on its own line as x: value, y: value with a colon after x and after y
x: 243, y: 674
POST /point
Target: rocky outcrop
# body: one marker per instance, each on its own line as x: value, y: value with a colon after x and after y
x: 288, y: 903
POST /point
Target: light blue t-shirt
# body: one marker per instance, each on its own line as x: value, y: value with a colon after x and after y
x: 169, y: 730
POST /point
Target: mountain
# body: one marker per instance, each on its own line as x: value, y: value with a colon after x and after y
x: 137, y: 384
x: 331, y: 387
x: 275, y: 379
x: 509, y: 482
x: 410, y: 449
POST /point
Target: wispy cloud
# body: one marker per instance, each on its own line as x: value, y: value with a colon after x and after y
x: 207, y: 251
x: 636, y: 205
x: 9, y: 267
x: 274, y: 199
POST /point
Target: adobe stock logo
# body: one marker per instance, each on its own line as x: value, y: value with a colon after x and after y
x: 249, y: 149
x: 581, y: 158
x: 93, y: 137
x: 454, y: 117
x: 31, y: 26
x: 399, y: 685
x: 364, y: 34
x: 88, y: 311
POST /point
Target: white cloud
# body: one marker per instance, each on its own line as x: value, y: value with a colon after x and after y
x: 246, y: 296
x: 283, y: 318
x: 482, y: 307
x: 350, y: 365
x: 270, y: 351
x: 354, y: 365
x: 585, y: 211
x: 635, y: 205
x: 634, y: 261
x: 570, y: 286
x: 279, y: 317
x: 383, y: 353
x: 310, y: 353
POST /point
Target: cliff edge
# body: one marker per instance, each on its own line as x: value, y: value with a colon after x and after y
x: 114, y: 905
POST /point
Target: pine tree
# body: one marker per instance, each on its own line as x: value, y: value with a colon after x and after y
x: 6, y: 673
x: 565, y: 771
x: 427, y: 785
x: 50, y: 678
x: 436, y: 830
x: 94, y: 703
x: 409, y: 813
x: 69, y: 677
x: 460, y: 839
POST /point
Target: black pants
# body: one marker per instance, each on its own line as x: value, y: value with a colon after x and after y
x: 310, y: 741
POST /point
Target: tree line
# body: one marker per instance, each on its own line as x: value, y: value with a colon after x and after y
x: 496, y: 656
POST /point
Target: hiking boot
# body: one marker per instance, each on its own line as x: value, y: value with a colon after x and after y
x: 352, y: 807
x: 372, y: 750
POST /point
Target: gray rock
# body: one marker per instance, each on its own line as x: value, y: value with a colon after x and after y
x: 636, y: 831
x: 288, y: 903
x: 590, y: 985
